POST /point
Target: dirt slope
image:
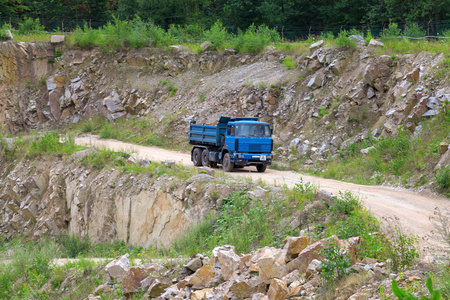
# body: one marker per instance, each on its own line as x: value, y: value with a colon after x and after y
x: 410, y: 209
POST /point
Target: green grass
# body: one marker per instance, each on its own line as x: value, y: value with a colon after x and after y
x: 241, y: 214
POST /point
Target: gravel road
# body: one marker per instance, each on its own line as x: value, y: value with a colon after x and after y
x: 410, y: 209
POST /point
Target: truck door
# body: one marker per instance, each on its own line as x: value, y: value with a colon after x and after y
x: 230, y: 138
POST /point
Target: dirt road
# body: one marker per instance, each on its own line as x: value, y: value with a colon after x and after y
x: 412, y: 210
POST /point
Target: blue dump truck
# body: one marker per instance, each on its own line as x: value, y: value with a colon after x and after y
x: 234, y: 142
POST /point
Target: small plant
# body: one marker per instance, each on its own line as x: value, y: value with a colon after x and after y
x: 74, y: 245
x: 323, y: 111
x: 402, y: 249
x: 442, y: 178
x: 201, y: 97
x: 57, y: 53
x: 404, y: 295
x: 346, y: 203
x: 336, y: 263
x: 262, y: 85
x: 43, y: 80
x: 170, y: 87
x: 289, y: 63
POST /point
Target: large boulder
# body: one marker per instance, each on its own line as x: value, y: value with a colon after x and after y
x: 201, y: 278
x: 278, y: 290
x: 225, y: 259
x: 295, y: 245
x: 118, y: 268
x: 131, y: 282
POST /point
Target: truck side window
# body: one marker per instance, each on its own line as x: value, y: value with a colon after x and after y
x: 230, y: 130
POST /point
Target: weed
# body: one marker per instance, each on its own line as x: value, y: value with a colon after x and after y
x: 442, y: 178
x: 402, y: 249
x: 391, y: 32
x: 336, y: 263
x: 43, y: 80
x: 405, y: 295
x: 289, y: 63
x: 74, y: 245
x: 201, y: 97
x: 172, y: 89
x: 58, y: 53
x: 30, y: 26
x: 262, y: 85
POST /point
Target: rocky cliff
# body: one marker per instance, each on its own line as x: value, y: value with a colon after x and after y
x: 54, y: 196
x: 332, y: 97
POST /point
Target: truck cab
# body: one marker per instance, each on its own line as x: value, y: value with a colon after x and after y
x: 232, y: 142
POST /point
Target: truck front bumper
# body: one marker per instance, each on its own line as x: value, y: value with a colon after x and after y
x: 245, y: 159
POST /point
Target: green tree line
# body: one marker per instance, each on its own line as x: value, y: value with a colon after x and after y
x: 233, y: 13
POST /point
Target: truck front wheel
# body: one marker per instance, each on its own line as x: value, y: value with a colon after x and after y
x: 197, y: 157
x: 227, y: 164
x: 261, y: 168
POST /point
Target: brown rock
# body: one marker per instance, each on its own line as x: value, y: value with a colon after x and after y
x: 295, y: 245
x: 55, y: 107
x: 131, y: 282
x: 278, y: 290
x: 444, y: 147
x: 414, y: 75
x: 359, y: 296
x: 270, y: 266
x: 226, y: 260
x: 118, y: 268
x: 200, y: 295
x: 305, y: 257
x: 201, y: 277
x: 155, y: 289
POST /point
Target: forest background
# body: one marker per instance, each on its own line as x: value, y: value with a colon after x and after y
x: 292, y: 18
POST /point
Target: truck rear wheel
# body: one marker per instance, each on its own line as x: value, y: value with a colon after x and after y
x: 261, y: 168
x: 196, y: 157
x: 227, y: 164
x: 205, y: 158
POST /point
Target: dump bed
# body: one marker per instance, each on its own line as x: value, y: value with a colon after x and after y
x: 211, y: 135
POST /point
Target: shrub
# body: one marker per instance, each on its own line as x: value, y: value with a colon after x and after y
x: 391, y: 32
x: 74, y: 245
x: 368, y: 37
x: 255, y: 39
x: 336, y: 263
x: 3, y: 35
x: 87, y: 37
x: 346, y: 203
x: 442, y: 178
x: 30, y: 25
x: 401, y: 249
x: 342, y: 40
x: 218, y: 36
x: 289, y: 63
x: 414, y: 30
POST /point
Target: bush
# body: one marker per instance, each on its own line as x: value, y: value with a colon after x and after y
x: 30, y: 25
x: 401, y: 249
x: 414, y: 30
x: 342, y: 40
x: 74, y: 245
x: 289, y: 63
x: 3, y: 32
x: 391, y: 32
x: 442, y: 178
x: 346, y: 203
x: 336, y: 263
x: 255, y: 39
x: 218, y: 36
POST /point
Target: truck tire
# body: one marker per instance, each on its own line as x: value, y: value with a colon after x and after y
x: 197, y: 157
x: 261, y: 168
x: 205, y: 158
x: 227, y: 164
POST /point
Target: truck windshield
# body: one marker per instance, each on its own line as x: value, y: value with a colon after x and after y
x: 252, y: 130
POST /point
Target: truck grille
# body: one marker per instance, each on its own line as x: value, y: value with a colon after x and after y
x: 254, y: 148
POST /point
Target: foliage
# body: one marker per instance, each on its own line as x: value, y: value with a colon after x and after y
x: 391, y: 32
x: 442, y: 178
x: 414, y: 30
x: 73, y: 245
x: 405, y: 295
x: 343, y: 41
x: 402, y: 249
x: 336, y: 263
x: 30, y: 25
x: 255, y: 39
x: 289, y: 63
x: 238, y: 214
x: 172, y: 89
x: 51, y: 143
x: 3, y: 35
x: 346, y: 203
x: 217, y: 35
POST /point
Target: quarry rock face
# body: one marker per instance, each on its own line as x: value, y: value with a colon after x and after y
x: 55, y: 197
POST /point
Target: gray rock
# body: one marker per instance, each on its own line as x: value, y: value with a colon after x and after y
x: 194, y: 264
x: 374, y: 44
x: 433, y: 103
x: 431, y: 113
x: 57, y: 39
x: 202, y: 178
x: 205, y: 45
x: 327, y: 197
x: 366, y: 150
x: 229, y: 51
x: 8, y: 34
x: 316, y: 46
x: 257, y: 193
x: 358, y: 39
x: 317, y: 81
x: 118, y: 268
